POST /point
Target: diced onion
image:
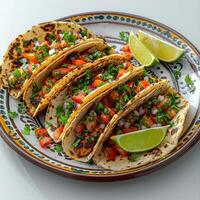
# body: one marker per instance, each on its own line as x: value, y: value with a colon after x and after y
x: 146, y: 78
x: 61, y: 35
x: 156, y: 125
x: 102, y: 126
x: 51, y: 51
x: 136, y: 113
x: 154, y: 111
x: 143, y: 127
x: 127, y: 125
x: 23, y: 60
x: 121, y: 122
x: 141, y: 111
x: 161, y: 98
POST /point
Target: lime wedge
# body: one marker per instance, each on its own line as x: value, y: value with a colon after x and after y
x: 142, y: 140
x: 140, y: 52
x: 161, y: 49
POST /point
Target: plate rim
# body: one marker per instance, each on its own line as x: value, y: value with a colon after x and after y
x: 109, y: 177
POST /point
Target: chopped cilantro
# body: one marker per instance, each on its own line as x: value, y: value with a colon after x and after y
x: 12, y: 115
x: 84, y: 32
x: 63, y: 119
x: 69, y: 37
x: 58, y: 148
x: 124, y: 36
x: 19, y: 50
x: 107, y: 50
x: 26, y: 130
x: 17, y: 73
x: 26, y: 43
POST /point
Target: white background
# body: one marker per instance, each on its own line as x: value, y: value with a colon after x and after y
x: 22, y: 180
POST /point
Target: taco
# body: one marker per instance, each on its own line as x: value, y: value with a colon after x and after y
x: 161, y: 107
x: 35, y: 49
x: 55, y: 76
x: 84, y: 89
x: 85, y: 133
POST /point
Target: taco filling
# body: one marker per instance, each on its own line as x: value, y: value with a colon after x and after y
x: 99, y: 115
x: 83, y: 87
x: 34, y: 53
x: 157, y: 111
x: 69, y: 64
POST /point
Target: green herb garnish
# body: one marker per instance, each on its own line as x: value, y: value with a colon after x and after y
x: 124, y: 36
x: 58, y: 148
x: 12, y: 115
x: 190, y: 83
x: 26, y: 130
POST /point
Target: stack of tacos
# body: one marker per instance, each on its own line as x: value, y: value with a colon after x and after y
x: 92, y: 93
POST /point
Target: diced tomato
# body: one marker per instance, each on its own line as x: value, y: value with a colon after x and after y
x: 147, y: 121
x: 121, y: 151
x: 30, y: 69
x: 45, y: 43
x: 104, y: 118
x: 57, y: 37
x: 130, y: 84
x: 106, y: 102
x: 63, y: 44
x: 111, y: 112
x: 50, y: 82
x: 121, y: 73
x: 126, y: 49
x: 45, y: 142
x: 31, y: 57
x: 163, y: 103
x: 79, y: 128
x: 40, y: 93
x: 127, y: 130
x: 111, y: 153
x: 47, y: 57
x: 113, y: 95
x: 91, y: 125
x: 171, y: 113
x: 138, y: 88
x: 57, y: 133
x: 31, y: 110
x: 96, y: 83
x: 79, y: 97
x: 55, y: 45
x: 144, y: 83
x: 41, y: 132
x: 78, y: 62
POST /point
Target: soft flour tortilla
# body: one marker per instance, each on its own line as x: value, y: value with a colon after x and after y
x: 40, y: 32
x: 59, y: 97
x: 60, y: 85
x: 69, y: 137
x: 169, y: 143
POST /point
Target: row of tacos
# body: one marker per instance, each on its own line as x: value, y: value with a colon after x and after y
x: 91, y: 92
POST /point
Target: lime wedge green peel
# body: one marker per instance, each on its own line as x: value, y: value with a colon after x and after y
x: 140, y: 52
x: 160, y: 49
x: 142, y: 140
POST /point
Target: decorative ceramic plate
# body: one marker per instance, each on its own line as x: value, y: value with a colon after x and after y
x: 109, y: 24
